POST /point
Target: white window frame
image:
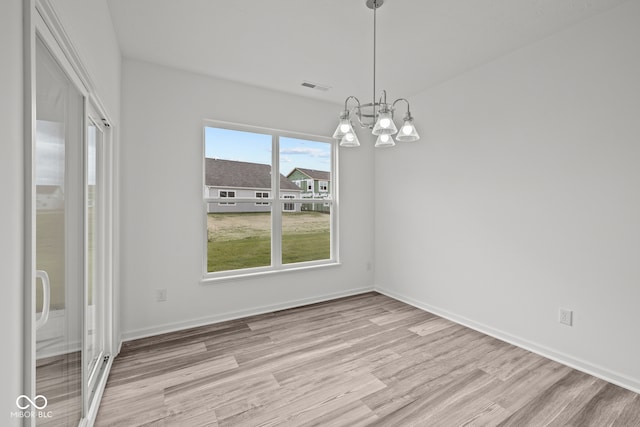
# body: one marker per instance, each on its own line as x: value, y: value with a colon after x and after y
x: 262, y: 195
x: 323, y: 186
x: 277, y: 201
x: 226, y: 197
x: 291, y: 205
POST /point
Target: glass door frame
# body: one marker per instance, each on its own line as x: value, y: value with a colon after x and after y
x: 41, y: 22
x: 103, y: 226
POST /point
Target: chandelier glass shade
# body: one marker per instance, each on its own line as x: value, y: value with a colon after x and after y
x: 350, y: 139
x: 377, y: 115
x: 408, y: 131
x: 345, y: 133
x: 385, y: 140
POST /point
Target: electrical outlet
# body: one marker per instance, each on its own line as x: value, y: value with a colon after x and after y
x: 566, y: 317
x: 161, y: 294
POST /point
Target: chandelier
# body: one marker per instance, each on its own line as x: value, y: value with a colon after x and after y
x: 377, y: 115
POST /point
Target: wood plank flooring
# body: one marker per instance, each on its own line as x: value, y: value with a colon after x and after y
x: 356, y: 361
x: 59, y: 379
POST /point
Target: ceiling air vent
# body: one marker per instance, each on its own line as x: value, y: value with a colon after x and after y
x: 316, y: 86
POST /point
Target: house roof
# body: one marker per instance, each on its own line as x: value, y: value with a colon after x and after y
x: 314, y: 174
x: 231, y: 173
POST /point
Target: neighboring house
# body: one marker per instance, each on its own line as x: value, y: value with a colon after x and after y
x: 314, y: 184
x: 49, y: 197
x: 229, y: 179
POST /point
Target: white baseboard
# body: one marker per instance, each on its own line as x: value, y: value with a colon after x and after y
x: 223, y: 317
x: 573, y: 362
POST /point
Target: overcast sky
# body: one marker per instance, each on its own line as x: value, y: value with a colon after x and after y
x: 49, y: 154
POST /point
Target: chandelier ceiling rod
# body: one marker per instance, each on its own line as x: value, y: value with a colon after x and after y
x: 381, y: 113
x: 375, y: 7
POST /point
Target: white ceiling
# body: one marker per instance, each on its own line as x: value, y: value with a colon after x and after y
x: 278, y: 44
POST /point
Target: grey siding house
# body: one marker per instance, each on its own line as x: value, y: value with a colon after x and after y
x: 314, y: 184
x: 230, y: 179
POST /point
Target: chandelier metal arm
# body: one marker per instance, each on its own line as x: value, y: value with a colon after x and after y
x: 408, y: 106
x: 357, y: 110
x: 383, y: 97
x: 346, y: 101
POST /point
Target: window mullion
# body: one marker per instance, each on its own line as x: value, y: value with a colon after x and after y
x: 276, y: 210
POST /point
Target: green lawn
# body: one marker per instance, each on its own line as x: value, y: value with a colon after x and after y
x: 50, y: 256
x: 243, y: 240
x: 240, y: 253
x: 299, y: 247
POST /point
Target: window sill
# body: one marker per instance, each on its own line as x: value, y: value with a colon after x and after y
x: 230, y: 276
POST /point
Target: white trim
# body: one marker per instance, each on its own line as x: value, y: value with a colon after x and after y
x: 233, y: 315
x: 101, y: 249
x: 52, y: 21
x: 334, y: 197
x: 270, y: 199
x: 261, y: 130
x: 289, y: 204
x: 276, y: 211
x: 225, y: 276
x: 267, y: 198
x: 223, y: 187
x: 29, y: 255
x: 557, y: 356
x: 226, y: 197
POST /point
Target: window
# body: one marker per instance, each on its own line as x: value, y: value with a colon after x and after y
x: 289, y: 207
x: 323, y: 186
x: 223, y: 194
x: 262, y: 195
x: 263, y: 228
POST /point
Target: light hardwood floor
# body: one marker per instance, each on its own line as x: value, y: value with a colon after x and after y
x: 59, y: 378
x: 362, y: 360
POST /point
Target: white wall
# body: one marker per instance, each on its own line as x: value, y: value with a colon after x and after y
x: 11, y: 214
x: 162, y: 224
x: 527, y: 177
x: 88, y: 24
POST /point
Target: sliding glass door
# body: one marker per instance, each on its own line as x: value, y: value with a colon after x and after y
x: 58, y: 242
x: 68, y: 296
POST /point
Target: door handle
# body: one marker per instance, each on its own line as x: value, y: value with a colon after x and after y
x: 46, y: 298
